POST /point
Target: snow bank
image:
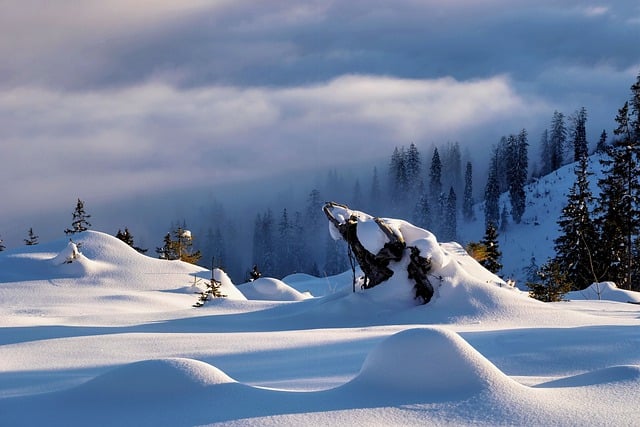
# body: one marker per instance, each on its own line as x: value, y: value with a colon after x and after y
x: 604, y: 291
x: 431, y: 361
x: 150, y: 378
x: 270, y: 289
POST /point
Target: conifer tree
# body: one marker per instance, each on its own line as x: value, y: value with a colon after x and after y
x: 413, y: 167
x: 79, y: 223
x: 557, y: 141
x: 435, y: 176
x: 578, y: 240
x: 178, y: 246
x: 545, y: 154
x: 467, y: 202
x: 517, y: 170
x: 127, y: 237
x: 602, y: 142
x: 492, y: 195
x: 619, y: 207
x: 450, y: 221
x: 422, y: 212
x: 552, y: 284
x: 398, y: 182
x: 32, y: 238
x: 492, y: 252
x: 2, y: 246
x: 579, y: 134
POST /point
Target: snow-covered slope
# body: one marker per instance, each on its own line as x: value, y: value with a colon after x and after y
x: 534, y: 236
x: 110, y: 338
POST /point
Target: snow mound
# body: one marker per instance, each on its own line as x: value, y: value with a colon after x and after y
x: 604, y: 291
x: 432, y: 361
x: 613, y: 374
x: 317, y: 286
x: 174, y: 376
x: 269, y: 289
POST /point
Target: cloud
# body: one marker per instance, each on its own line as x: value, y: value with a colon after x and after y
x: 156, y: 135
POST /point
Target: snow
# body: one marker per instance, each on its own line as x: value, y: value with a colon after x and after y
x: 112, y: 339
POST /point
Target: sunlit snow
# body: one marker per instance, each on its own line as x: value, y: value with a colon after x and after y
x: 94, y: 333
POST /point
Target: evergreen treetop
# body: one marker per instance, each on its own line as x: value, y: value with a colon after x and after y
x: 79, y: 223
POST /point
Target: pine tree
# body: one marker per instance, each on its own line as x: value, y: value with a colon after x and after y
x: 435, y: 176
x: 517, y: 169
x: 79, y: 223
x: 450, y: 221
x: 2, y: 246
x: 552, y: 284
x: 579, y: 134
x: 492, y: 252
x: 32, y: 238
x: 619, y: 207
x: 467, y: 202
x: 557, y: 141
x: 177, y: 245
x: 422, y: 212
x: 284, y: 248
x: 413, y: 167
x: 545, y: 154
x: 578, y: 240
x: 492, y: 195
x: 602, y: 143
x: 398, y: 182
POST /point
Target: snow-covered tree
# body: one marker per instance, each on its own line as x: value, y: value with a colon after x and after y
x: 80, y: 219
x: 32, y: 238
x: 619, y: 204
x: 178, y: 244
x: 602, y: 142
x: 575, y: 247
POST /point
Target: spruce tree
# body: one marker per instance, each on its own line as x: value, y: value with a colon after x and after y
x: 2, y: 246
x: 557, y: 141
x: 435, y: 176
x: 450, y: 221
x: 602, y: 143
x: 79, y: 223
x: 578, y: 240
x: 517, y: 169
x: 492, y: 252
x: 552, y: 284
x: 467, y: 202
x: 619, y: 208
x: 422, y: 212
x: 32, y: 238
x: 492, y: 195
x: 545, y: 153
x: 413, y: 168
x: 579, y: 134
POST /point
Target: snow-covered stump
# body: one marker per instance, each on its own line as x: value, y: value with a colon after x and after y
x: 393, y: 247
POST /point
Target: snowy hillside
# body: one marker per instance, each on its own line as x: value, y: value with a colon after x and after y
x: 535, y: 235
x: 94, y: 332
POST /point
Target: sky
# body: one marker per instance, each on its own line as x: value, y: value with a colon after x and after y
x: 106, y: 100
